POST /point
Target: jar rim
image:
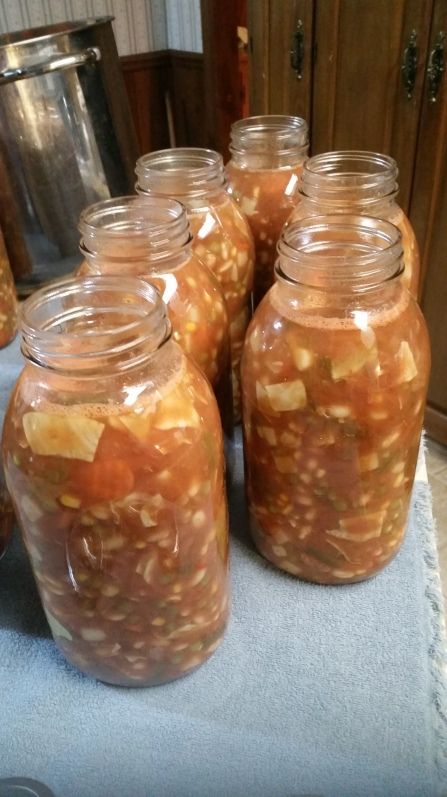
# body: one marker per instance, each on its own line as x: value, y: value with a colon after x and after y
x: 334, y: 175
x: 154, y: 226
x: 340, y: 252
x: 180, y: 171
x: 153, y: 214
x: 64, y: 328
x: 281, y: 132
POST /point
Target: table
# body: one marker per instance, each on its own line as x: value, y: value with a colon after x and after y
x: 334, y: 691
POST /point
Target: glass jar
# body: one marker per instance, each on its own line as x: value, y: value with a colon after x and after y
x: 358, y: 182
x: 8, y: 301
x: 113, y: 456
x: 221, y: 235
x: 267, y: 156
x: 334, y: 379
x: 150, y: 237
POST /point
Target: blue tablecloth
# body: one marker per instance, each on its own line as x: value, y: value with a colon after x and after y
x: 334, y: 691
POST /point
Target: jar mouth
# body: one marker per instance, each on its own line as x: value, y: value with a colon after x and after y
x: 90, y: 323
x: 186, y: 172
x: 340, y: 253
x: 138, y: 226
x: 350, y: 175
x: 279, y: 134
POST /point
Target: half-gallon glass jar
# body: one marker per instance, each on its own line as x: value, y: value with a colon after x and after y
x: 113, y: 456
x: 267, y: 157
x: 358, y: 182
x: 334, y: 378
x: 221, y: 235
x: 150, y: 237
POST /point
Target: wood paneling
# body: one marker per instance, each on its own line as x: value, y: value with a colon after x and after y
x: 186, y: 92
x: 147, y: 80
x: 158, y: 81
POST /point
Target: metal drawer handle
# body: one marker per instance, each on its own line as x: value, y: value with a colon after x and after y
x: 53, y: 64
x: 409, y: 65
x: 297, y: 51
x: 436, y: 67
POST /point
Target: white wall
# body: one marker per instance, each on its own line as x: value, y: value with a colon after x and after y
x: 184, y: 25
x: 140, y: 25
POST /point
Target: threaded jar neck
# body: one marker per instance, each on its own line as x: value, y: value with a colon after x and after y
x: 93, y: 325
x: 268, y: 142
x: 343, y: 179
x: 187, y: 173
x: 135, y: 228
x: 341, y: 253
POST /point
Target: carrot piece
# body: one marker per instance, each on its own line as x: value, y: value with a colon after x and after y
x: 103, y: 480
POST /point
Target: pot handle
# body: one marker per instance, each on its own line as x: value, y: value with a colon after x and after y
x: 53, y: 64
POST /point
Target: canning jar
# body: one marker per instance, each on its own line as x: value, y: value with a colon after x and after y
x: 358, y: 182
x: 222, y: 237
x: 334, y: 379
x: 150, y: 237
x: 267, y: 156
x: 113, y: 456
x: 8, y: 302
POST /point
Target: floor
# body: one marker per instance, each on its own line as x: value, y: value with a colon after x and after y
x: 436, y: 459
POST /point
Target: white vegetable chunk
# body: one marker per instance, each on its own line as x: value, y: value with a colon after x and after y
x: 407, y: 365
x: 69, y: 436
x: 286, y: 396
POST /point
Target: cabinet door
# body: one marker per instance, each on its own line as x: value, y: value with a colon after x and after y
x: 428, y: 213
x: 352, y: 89
x: 359, y: 96
x: 281, y: 38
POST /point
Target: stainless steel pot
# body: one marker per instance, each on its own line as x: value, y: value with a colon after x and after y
x: 66, y: 141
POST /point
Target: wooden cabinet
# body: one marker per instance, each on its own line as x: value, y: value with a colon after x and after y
x: 428, y: 213
x: 368, y: 73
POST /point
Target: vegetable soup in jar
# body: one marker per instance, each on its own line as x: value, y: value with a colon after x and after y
x: 221, y: 235
x: 358, y: 182
x: 113, y: 456
x: 334, y: 377
x: 267, y: 157
x: 150, y: 237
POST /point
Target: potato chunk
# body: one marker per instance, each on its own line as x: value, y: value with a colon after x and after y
x: 286, y: 396
x: 175, y: 413
x: 69, y: 436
